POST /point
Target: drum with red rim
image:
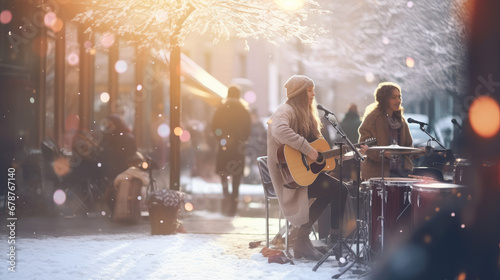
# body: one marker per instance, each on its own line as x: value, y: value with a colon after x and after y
x: 429, y: 199
x: 397, y: 210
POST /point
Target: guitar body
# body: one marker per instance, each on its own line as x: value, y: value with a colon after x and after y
x: 298, y: 171
x: 296, y: 168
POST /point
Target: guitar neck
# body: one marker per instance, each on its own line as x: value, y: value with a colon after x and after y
x: 336, y: 152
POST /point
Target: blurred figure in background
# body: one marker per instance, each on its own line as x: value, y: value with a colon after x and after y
x: 256, y: 147
x: 117, y: 148
x: 231, y: 125
x: 350, y: 125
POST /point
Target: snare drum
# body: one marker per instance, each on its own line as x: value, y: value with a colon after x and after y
x: 397, y: 213
x: 429, y: 199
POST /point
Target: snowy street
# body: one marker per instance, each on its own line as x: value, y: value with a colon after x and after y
x: 222, y: 254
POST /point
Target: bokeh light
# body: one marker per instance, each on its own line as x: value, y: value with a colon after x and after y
x: 163, y: 130
x: 410, y: 62
x: 57, y: 25
x: 104, y: 97
x: 386, y: 40
x: 73, y: 59
x: 161, y: 16
x: 139, y: 87
x: 178, y: 131
x: 369, y: 77
x: 145, y: 165
x: 189, y: 206
x: 49, y: 19
x: 5, y: 17
x: 59, y: 197
x: 61, y: 166
x: 185, y: 136
x: 223, y: 142
x: 87, y: 44
x: 121, y: 66
x: 218, y: 132
x: 290, y: 5
x: 484, y: 116
x: 409, y: 4
x: 107, y: 40
x: 250, y: 96
x: 32, y: 100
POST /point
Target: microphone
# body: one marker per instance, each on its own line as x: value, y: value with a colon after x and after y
x: 410, y: 120
x: 320, y: 107
x: 454, y: 121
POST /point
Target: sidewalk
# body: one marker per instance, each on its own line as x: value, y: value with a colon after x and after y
x: 235, y: 232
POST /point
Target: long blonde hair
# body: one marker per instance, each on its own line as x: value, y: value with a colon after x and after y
x: 307, y: 120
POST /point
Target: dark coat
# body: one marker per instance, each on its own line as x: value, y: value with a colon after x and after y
x: 232, y: 125
x: 350, y: 125
x: 118, y: 146
x: 375, y: 125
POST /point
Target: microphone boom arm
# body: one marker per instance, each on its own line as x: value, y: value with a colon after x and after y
x: 358, y: 155
x: 432, y: 137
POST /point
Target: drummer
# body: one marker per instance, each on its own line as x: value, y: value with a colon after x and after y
x: 383, y: 119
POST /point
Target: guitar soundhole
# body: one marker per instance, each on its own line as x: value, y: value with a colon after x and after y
x: 317, y: 167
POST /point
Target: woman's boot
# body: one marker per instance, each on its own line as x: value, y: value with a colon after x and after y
x: 302, y: 247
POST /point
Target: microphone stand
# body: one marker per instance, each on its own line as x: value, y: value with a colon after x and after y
x: 432, y: 137
x: 341, y: 241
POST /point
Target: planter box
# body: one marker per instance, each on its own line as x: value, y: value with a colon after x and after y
x: 163, y: 219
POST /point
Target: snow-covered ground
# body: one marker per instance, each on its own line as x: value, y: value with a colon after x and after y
x: 215, y: 247
x: 143, y: 256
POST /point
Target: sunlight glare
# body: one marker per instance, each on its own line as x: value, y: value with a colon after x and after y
x: 290, y: 5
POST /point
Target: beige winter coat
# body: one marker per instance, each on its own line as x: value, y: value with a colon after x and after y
x: 293, y: 202
x: 375, y: 125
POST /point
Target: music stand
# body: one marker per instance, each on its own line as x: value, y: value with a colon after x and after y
x: 341, y: 242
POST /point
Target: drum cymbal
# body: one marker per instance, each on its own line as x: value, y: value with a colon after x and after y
x: 407, y: 152
x: 396, y: 148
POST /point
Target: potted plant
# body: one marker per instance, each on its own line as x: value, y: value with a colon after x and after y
x: 163, y: 206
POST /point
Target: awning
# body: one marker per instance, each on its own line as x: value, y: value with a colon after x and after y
x: 197, y: 81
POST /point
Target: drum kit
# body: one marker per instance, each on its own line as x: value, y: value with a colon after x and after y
x: 394, y: 207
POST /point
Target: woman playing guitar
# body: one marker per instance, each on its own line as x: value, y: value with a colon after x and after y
x: 296, y: 123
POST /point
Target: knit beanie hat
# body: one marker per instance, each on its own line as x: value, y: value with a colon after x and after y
x: 297, y: 84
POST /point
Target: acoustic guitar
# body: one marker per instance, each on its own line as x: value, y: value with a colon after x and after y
x: 296, y: 168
